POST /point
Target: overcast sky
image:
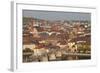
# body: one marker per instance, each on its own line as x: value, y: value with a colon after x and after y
x: 51, y: 15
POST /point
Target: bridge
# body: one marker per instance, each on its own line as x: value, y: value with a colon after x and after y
x: 77, y: 54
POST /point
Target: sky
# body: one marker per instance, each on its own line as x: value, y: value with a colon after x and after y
x: 53, y: 15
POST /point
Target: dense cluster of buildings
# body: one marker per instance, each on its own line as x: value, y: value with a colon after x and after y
x: 45, y: 40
